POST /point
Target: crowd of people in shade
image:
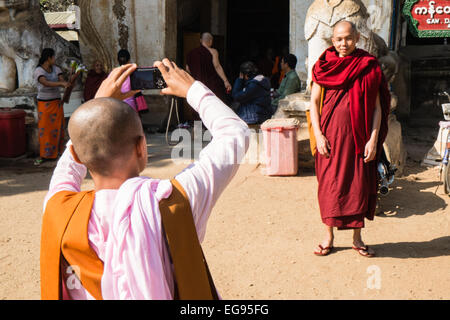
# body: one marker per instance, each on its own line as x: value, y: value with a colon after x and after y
x: 261, y: 84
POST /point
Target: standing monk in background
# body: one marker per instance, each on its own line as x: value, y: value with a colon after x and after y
x: 204, y: 65
x: 94, y: 79
x: 350, y: 127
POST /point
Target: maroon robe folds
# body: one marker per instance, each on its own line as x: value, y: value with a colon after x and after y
x: 348, y: 186
x: 200, y: 62
x: 93, y: 82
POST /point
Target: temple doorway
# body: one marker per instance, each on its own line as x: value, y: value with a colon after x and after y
x: 242, y: 30
x: 253, y: 28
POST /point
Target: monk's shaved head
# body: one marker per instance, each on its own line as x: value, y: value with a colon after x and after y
x: 206, y: 36
x: 104, y: 131
x: 348, y: 24
x: 345, y: 37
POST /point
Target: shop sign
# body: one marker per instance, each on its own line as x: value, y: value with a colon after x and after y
x: 428, y: 18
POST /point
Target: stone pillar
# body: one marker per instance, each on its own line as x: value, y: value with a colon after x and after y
x: 8, y: 74
x: 154, y: 36
x: 146, y: 28
x: 219, y: 17
x: 297, y: 42
x: 380, y: 12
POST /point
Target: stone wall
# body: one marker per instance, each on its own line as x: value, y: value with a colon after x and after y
x: 380, y: 17
x: 298, y: 45
x: 146, y: 28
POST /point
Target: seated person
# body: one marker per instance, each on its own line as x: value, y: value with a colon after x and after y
x: 291, y: 82
x: 252, y: 91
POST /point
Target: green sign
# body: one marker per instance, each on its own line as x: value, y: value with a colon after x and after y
x: 428, y: 18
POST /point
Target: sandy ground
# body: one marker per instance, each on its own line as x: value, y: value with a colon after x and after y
x: 261, y: 235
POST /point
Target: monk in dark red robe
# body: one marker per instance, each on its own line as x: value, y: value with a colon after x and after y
x: 350, y: 129
x: 204, y: 65
x: 94, y: 79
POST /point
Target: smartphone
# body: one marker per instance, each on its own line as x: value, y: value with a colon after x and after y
x: 147, y: 78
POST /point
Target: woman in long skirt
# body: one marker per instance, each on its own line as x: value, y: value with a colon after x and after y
x: 49, y: 79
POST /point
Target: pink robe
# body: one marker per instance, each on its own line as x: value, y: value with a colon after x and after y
x: 131, y: 101
x: 125, y: 225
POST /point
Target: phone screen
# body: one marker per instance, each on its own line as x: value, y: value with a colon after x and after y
x: 147, y: 78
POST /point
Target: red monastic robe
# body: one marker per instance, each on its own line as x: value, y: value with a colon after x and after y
x: 347, y: 186
x: 200, y: 62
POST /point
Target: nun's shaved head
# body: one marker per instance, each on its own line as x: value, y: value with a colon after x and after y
x: 104, y: 131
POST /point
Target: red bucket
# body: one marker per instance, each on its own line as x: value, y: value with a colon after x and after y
x: 12, y: 133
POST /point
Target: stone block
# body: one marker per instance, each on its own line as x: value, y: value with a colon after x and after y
x: 393, y: 145
x: 305, y: 158
x: 159, y: 108
x: 293, y: 106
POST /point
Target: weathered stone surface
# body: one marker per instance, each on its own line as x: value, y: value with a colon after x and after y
x: 8, y: 74
x: 305, y: 157
x: 159, y: 107
x: 11, y: 101
x: 23, y: 35
x: 293, y: 106
x: 298, y: 44
x: 147, y: 29
x: 380, y: 15
x: 393, y: 146
x: 295, y: 102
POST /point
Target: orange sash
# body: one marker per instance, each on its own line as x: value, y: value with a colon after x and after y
x: 191, y: 272
x: 312, y: 137
x: 64, y: 235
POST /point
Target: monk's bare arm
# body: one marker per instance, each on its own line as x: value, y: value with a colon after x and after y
x: 219, y: 68
x: 314, y: 108
x: 376, y: 120
x: 323, y: 145
x: 60, y: 83
x: 371, y: 146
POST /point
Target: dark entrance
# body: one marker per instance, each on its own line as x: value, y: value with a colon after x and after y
x: 430, y: 73
x: 254, y: 26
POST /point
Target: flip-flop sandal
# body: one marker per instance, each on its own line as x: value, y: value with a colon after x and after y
x: 365, y: 249
x: 320, y: 253
x: 38, y: 162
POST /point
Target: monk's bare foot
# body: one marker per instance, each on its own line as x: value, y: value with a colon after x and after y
x: 324, y: 248
x: 363, y: 249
